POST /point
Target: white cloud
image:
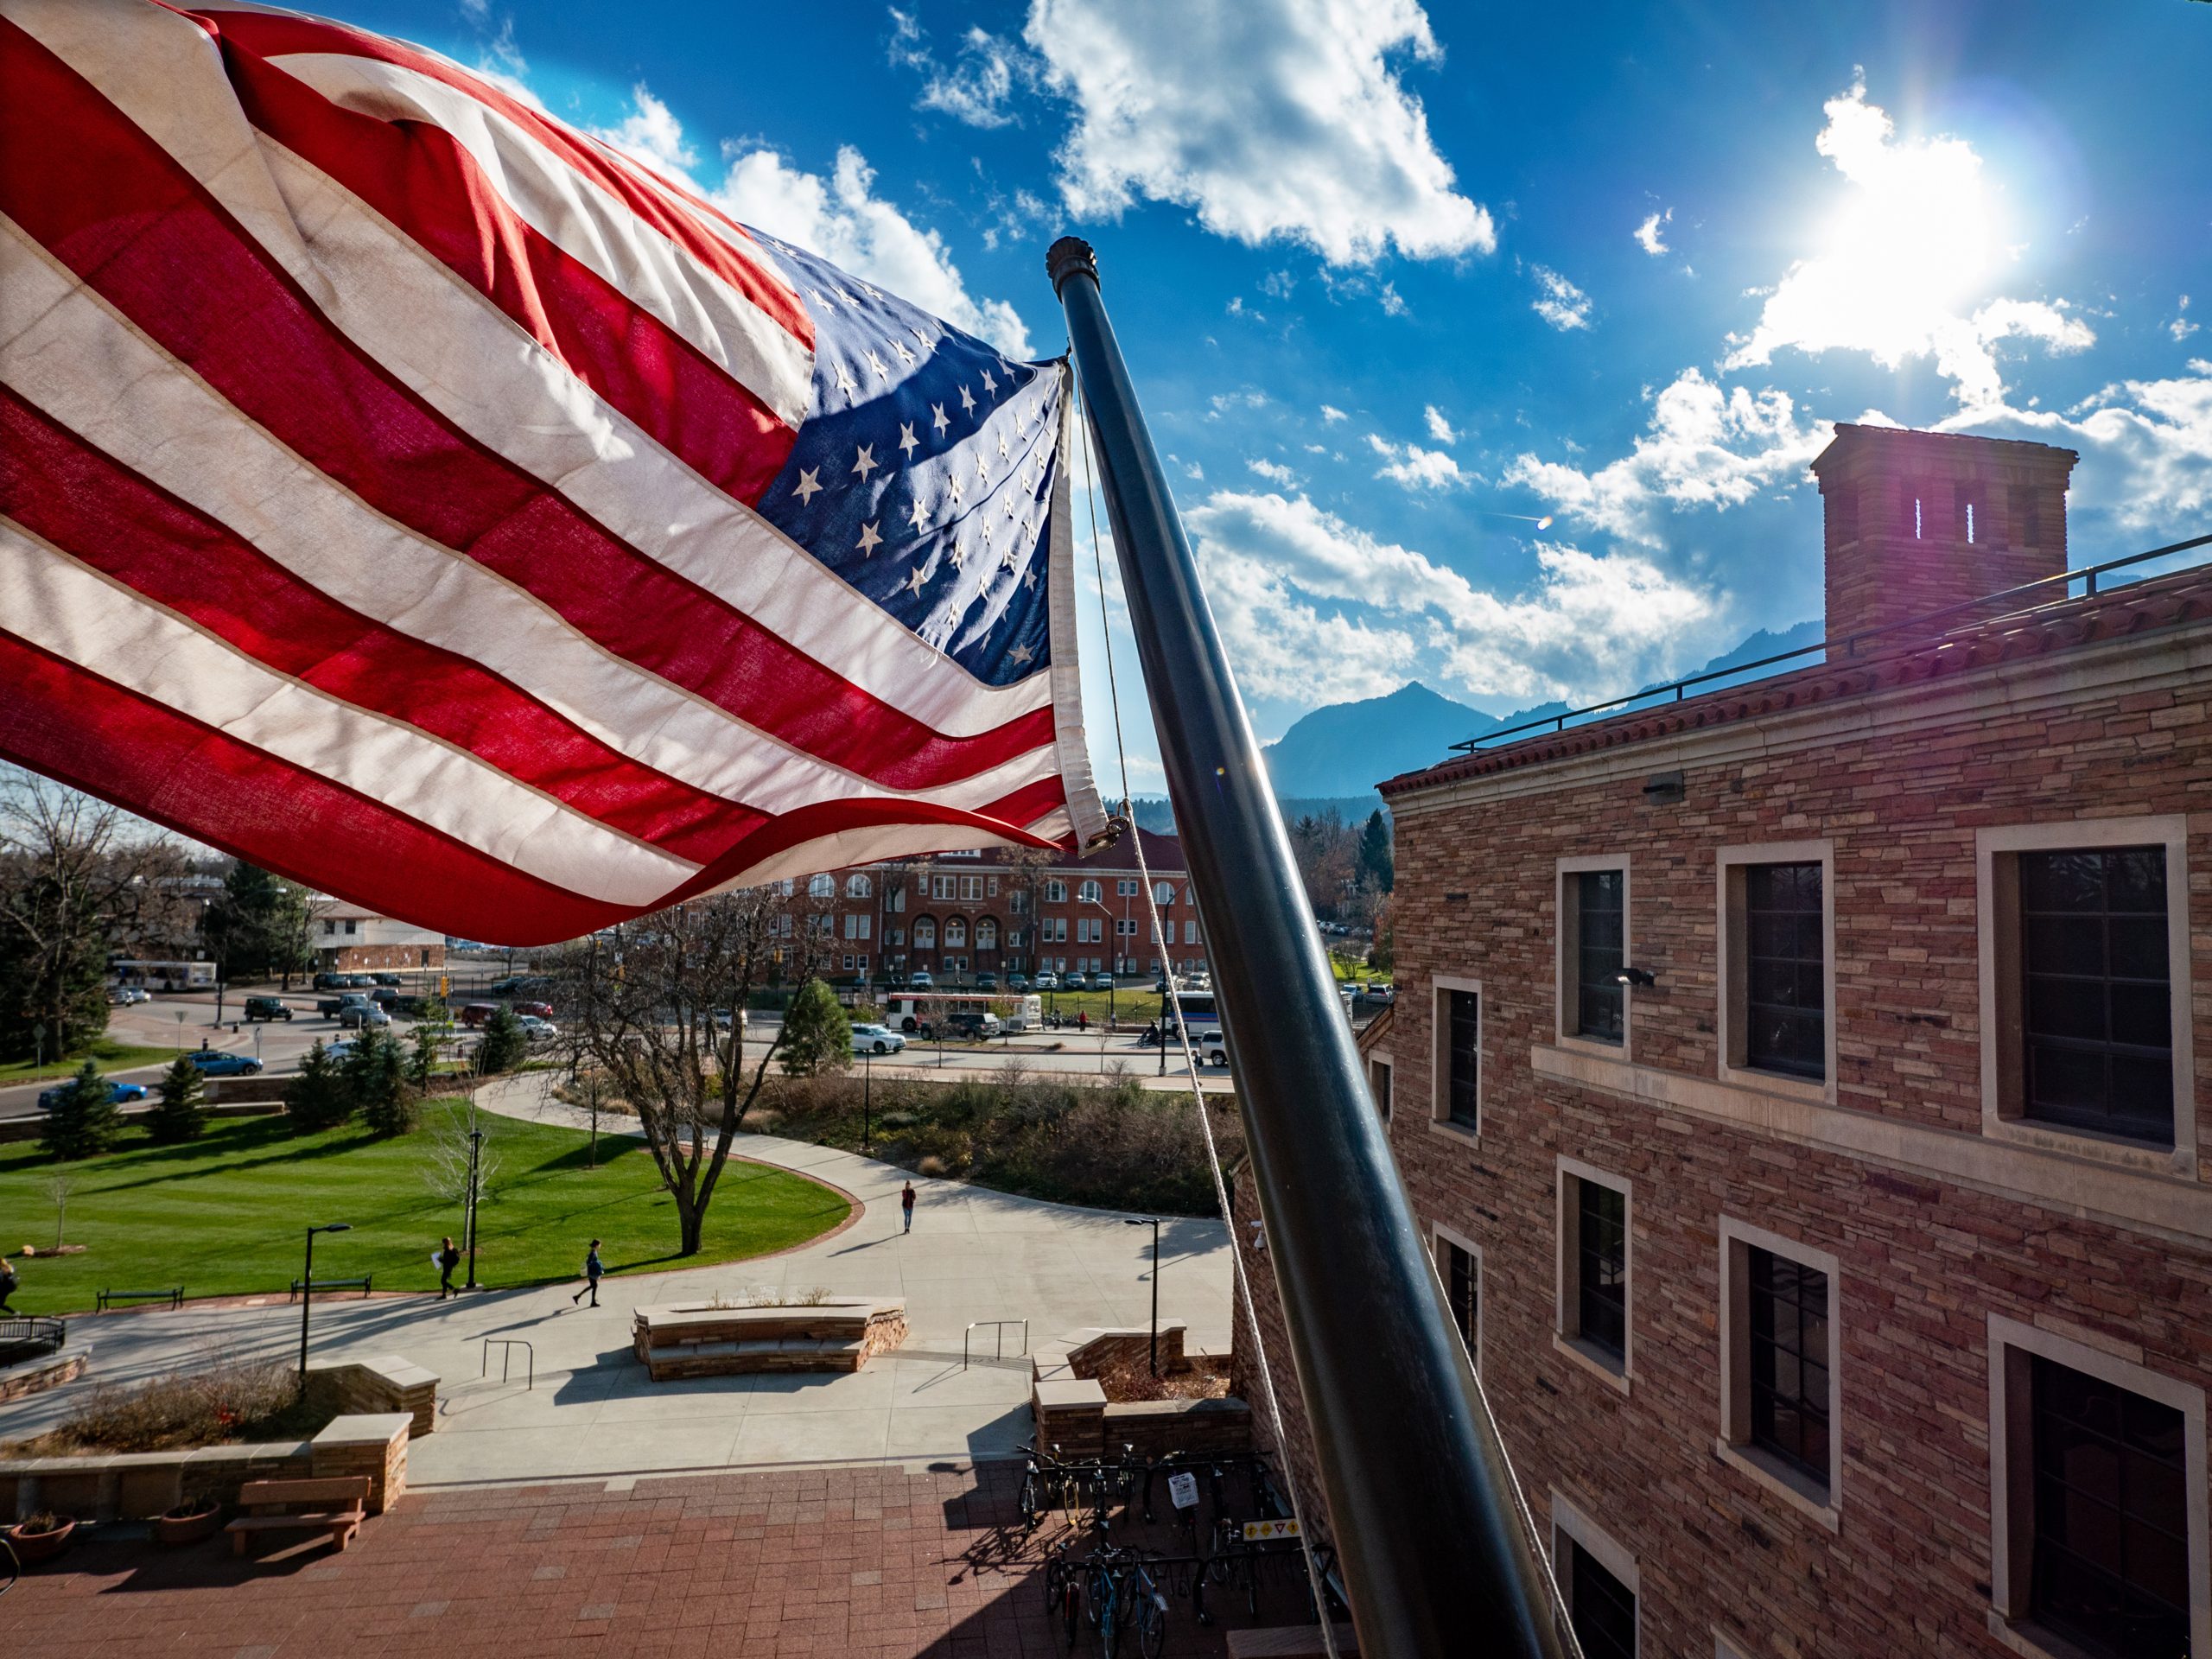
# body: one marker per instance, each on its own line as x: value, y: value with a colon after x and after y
x: 980, y: 84
x: 1439, y: 428
x: 1909, y: 265
x: 2145, y: 446
x: 1587, y: 625
x: 1414, y: 466
x: 843, y: 219
x: 1648, y: 235
x: 1562, y: 303
x: 2181, y: 327
x: 1331, y: 414
x: 1270, y: 118
x: 652, y: 133
x: 1706, y: 447
x: 1274, y: 471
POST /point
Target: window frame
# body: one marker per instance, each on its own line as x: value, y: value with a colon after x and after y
x: 1733, y: 1445
x: 1568, y: 1174
x: 1566, y: 979
x: 1733, y: 967
x: 1385, y: 1091
x: 1441, y: 1241
x: 2011, y: 1502
x: 1571, y: 1523
x: 1997, y: 908
x: 1440, y: 1071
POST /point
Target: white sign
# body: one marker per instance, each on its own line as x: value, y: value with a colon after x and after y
x: 1183, y: 1490
x: 1260, y: 1531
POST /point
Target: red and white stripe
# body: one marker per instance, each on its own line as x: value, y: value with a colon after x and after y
x: 378, y: 468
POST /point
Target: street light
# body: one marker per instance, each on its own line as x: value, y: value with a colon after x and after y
x: 475, y: 1144
x: 1153, y: 1221
x: 868, y: 1076
x: 306, y: 1293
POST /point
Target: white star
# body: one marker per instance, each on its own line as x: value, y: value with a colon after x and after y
x: 987, y: 529
x: 939, y: 419
x: 905, y: 356
x: 914, y: 582
x: 967, y: 400
x: 876, y: 363
x: 907, y: 442
x: 808, y: 486
x: 1021, y: 654
x: 1006, y: 557
x: 959, y: 556
x: 819, y: 295
x: 989, y: 385
x: 920, y: 338
x: 952, y: 483
x: 921, y: 514
x: 845, y: 381
x: 981, y: 471
x: 851, y: 301
x: 869, y: 540
x: 870, y: 290
x: 1029, y: 580
x: 1003, y: 451
x: 1009, y: 506
x: 865, y: 461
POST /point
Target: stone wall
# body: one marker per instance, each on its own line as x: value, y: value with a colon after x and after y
x: 374, y: 1445
x: 136, y: 1485
x: 37, y: 1376
x: 1072, y: 1413
x: 373, y: 1387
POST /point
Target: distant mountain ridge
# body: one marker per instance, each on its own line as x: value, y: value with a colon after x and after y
x: 1341, y: 752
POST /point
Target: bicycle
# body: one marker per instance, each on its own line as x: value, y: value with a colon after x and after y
x: 1064, y: 1595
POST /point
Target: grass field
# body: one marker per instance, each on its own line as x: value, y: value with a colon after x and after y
x: 226, y: 1214
x: 108, y: 1056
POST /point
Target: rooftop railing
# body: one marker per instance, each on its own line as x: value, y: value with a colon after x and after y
x: 1850, y: 645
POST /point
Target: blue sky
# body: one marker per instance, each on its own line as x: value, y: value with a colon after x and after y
x: 1398, y: 284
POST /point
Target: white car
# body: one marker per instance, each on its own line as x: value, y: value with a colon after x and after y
x: 131, y: 994
x: 1213, y: 1048
x: 1046, y: 981
x: 876, y: 1039
x: 538, y: 1029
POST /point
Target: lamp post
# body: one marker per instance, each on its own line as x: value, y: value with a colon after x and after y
x: 475, y: 1144
x: 306, y: 1293
x: 1153, y: 1220
x: 868, y: 1077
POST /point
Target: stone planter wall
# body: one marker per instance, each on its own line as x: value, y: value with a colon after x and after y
x: 372, y: 1446
x: 372, y: 1386
x: 35, y: 1375
x: 1073, y: 1414
x: 139, y: 1486
x: 699, y: 1340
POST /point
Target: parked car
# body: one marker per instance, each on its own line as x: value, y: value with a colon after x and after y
x: 129, y: 995
x: 921, y: 982
x: 966, y: 1025
x: 541, y: 1010
x: 1047, y: 981
x: 537, y: 1029
x: 1102, y: 982
x: 330, y: 981
x: 876, y: 1039
x: 1017, y: 981
x: 384, y: 997
x: 267, y: 1007
x: 475, y: 1014
x: 325, y: 1008
x: 118, y: 1092
x: 1213, y: 1048
x: 987, y: 981
x: 364, y: 1015
x: 386, y: 979
x: 216, y: 1064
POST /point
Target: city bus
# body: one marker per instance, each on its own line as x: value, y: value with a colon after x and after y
x: 915, y: 1012
x: 162, y: 975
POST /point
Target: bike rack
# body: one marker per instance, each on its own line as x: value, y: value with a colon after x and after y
x: 998, y: 1338
x: 507, y: 1346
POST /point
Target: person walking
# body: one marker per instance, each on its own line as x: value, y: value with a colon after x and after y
x: 8, y: 1281
x: 593, y: 1269
x: 907, y: 1205
x: 448, y: 1258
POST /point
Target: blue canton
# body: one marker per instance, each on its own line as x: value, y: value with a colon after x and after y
x: 924, y: 475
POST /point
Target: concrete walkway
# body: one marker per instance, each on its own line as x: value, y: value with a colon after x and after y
x: 973, y: 1254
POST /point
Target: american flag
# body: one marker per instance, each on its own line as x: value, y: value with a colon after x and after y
x: 412, y: 494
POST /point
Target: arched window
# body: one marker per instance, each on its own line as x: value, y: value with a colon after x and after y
x: 822, y: 887
x: 956, y: 933
x: 925, y: 934
x: 986, y: 934
x: 1190, y: 895
x: 858, y: 886
x: 1088, y: 892
x: 1164, y: 892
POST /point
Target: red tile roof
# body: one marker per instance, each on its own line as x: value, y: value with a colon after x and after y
x: 2142, y: 608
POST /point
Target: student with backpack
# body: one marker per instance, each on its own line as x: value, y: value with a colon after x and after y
x: 593, y: 1270
x: 8, y: 1283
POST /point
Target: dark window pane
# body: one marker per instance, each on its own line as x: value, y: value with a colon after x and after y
x: 1604, y: 1609
x: 1600, y: 929
x: 1463, y: 1013
x: 2095, y: 993
x: 1785, y: 1024
x: 1602, y: 1264
x: 2109, y: 1568
x: 1788, y: 1362
x: 1461, y: 1289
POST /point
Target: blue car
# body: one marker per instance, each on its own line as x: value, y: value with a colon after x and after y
x: 118, y: 1092
x: 218, y: 1065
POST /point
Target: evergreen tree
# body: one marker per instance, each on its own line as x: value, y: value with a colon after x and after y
x: 254, y: 928
x: 317, y: 1098
x: 83, y: 1120
x: 183, y: 1113
x: 505, y: 1045
x: 1376, y: 856
x: 374, y: 1073
x: 422, y: 1064
x: 817, y: 1037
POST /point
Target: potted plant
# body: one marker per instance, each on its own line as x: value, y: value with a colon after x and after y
x: 188, y: 1523
x: 40, y: 1537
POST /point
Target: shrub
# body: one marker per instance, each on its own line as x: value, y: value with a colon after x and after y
x: 182, y: 1115
x: 83, y: 1121
x: 222, y: 1402
x: 505, y: 1045
x: 818, y: 1038
x: 374, y: 1076
x: 318, y: 1097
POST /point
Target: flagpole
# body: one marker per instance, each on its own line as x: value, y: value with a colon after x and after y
x: 1437, y: 1556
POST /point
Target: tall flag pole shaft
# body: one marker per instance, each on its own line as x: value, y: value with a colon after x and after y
x: 1436, y: 1549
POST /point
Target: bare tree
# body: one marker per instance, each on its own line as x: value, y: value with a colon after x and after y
x: 58, y: 1188
x: 656, y: 1008
x: 448, y: 1168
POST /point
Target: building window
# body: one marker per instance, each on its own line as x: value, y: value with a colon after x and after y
x: 1780, y: 1347
x: 1378, y: 1083
x: 1600, y: 936
x: 956, y: 933
x: 2096, y: 993
x: 897, y: 899
x: 2085, y: 982
x: 1088, y: 892
x: 986, y: 935
x: 1189, y: 929
x: 1459, y: 1039
x: 1458, y: 1268
x: 1163, y: 893
x: 1128, y: 887
x: 2098, y: 1478
x: 858, y: 886
x: 1786, y: 967
x: 1598, y: 1580
x: 822, y: 887
x: 991, y: 885
x: 925, y: 935
x: 1595, y: 1258
x: 1056, y: 892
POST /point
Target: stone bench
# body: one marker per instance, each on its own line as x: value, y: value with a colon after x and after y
x: 700, y: 1340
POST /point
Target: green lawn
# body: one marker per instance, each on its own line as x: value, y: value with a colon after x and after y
x: 109, y: 1056
x: 226, y: 1214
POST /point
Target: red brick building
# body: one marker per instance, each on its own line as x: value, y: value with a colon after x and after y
x: 347, y: 938
x: 1802, y: 1087
x: 1005, y: 911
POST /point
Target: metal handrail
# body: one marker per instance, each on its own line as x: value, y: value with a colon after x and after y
x: 507, y: 1346
x: 998, y: 1338
x: 1847, y: 643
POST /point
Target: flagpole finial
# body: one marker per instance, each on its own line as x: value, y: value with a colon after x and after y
x: 1068, y: 257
